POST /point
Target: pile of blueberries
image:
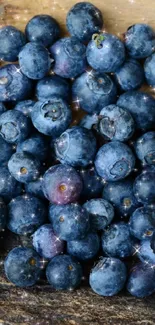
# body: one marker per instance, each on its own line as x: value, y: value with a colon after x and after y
x: 85, y: 192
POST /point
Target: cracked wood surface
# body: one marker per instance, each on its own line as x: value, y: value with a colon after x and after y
x: 41, y: 305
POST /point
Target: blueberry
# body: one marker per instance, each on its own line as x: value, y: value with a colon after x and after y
x: 114, y: 161
x: 141, y: 281
x: 76, y: 147
x: 115, y: 123
x: 26, y: 214
x: 117, y: 240
x: 83, y: 20
x: 62, y: 184
x: 42, y: 29
x: 46, y: 243
x: 14, y: 126
x: 25, y: 107
x: 105, y: 52
x: 9, y: 187
x: 14, y: 85
x: 34, y: 60
x: 88, y: 121
x: 93, y: 90
x: 139, y: 40
x: 11, y: 42
x: 149, y: 70
x: 121, y: 195
x: 24, y: 167
x: 145, y: 252
x: 2, y: 108
x: 141, y: 106
x: 92, y: 183
x: 130, y: 75
x: 64, y: 272
x: 22, y: 266
x: 52, y: 86
x: 101, y: 213
x: 70, y: 221
x: 6, y: 150
x: 51, y: 117
x: 108, y: 277
x: 145, y: 148
x: 69, y: 56
x: 3, y: 214
x: 84, y: 249
x: 35, y: 188
x: 35, y: 145
x: 144, y: 188
x: 142, y: 222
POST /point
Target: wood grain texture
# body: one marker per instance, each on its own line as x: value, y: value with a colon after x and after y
x: 40, y: 305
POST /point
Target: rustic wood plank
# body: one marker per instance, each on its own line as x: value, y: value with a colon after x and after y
x: 41, y: 305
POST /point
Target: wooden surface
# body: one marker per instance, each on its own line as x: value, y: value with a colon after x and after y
x: 40, y: 305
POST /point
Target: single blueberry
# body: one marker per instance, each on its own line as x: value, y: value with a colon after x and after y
x: 46, y: 243
x: 3, y: 214
x: 145, y: 148
x: 64, y: 272
x: 76, y: 147
x: 14, y: 85
x: 26, y: 214
x: 144, y: 188
x: 42, y: 29
x: 108, y: 277
x: 70, y: 221
x: 130, y: 75
x: 141, y: 106
x: 34, y: 60
x: 149, y: 70
x: 52, y: 86
x: 141, y: 281
x: 9, y: 187
x: 145, y: 252
x: 6, y: 150
x: 101, y: 213
x: 35, y: 188
x: 92, y: 183
x: 11, y: 42
x: 84, y: 249
x: 142, y: 222
x: 140, y: 40
x: 83, y: 20
x: 35, y: 145
x: 14, y: 126
x: 51, y: 117
x: 117, y: 241
x: 93, y: 90
x: 121, y: 195
x: 24, y: 167
x: 115, y: 123
x: 23, y: 266
x: 25, y: 107
x: 69, y: 56
x: 62, y: 184
x: 105, y: 52
x: 114, y: 161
